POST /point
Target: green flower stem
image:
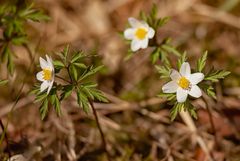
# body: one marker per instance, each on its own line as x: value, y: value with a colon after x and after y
x: 100, y: 130
x: 212, y: 123
x: 69, y: 74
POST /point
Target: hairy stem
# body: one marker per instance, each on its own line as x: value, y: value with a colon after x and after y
x: 100, y: 130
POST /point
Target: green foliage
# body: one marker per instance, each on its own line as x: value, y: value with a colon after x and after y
x: 46, y: 99
x: 163, y: 51
x: 3, y: 82
x: 209, y: 90
x: 181, y: 60
x: 152, y: 19
x: 186, y: 106
x: 202, y: 62
x: 215, y: 75
x: 168, y: 96
x: 12, y: 22
x: 164, y: 71
x: 206, y: 85
x: 78, y: 81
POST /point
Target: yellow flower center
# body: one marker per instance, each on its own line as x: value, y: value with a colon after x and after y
x: 184, y: 83
x: 47, y: 74
x: 141, y: 33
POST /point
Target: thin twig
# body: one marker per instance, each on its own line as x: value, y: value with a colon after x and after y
x: 65, y: 80
x: 5, y: 134
x: 30, y: 54
x: 100, y: 130
x: 212, y: 123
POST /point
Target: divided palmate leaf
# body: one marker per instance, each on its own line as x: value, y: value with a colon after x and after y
x: 202, y: 62
x: 216, y: 75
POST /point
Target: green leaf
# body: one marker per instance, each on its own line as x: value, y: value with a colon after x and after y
x: 90, y: 71
x: 3, y: 82
x: 74, y: 72
x: 58, y: 65
x: 44, y: 109
x: 143, y: 16
x: 93, y: 93
x: 19, y: 40
x: 182, y: 60
x: 215, y: 75
x: 5, y: 52
x: 191, y: 109
x: 98, y: 95
x: 163, y: 21
x: 164, y: 57
x: 154, y: 11
x: 10, y: 64
x: 211, y: 93
x: 168, y: 96
x: 77, y: 56
x: 178, y: 107
x: 170, y: 49
x: 163, y: 71
x: 57, y: 105
x: 80, y: 65
x: 202, y: 62
x: 40, y: 96
x: 66, y: 91
x: 33, y: 14
x: 155, y: 55
x: 82, y: 100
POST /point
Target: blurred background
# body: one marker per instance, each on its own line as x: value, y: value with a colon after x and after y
x: 136, y: 123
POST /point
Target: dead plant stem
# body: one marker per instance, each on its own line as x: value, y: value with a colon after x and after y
x: 212, y: 123
x: 100, y: 130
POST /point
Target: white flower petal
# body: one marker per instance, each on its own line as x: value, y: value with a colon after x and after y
x: 151, y: 32
x: 129, y: 33
x: 134, y: 22
x: 50, y: 62
x: 181, y: 95
x: 175, y: 75
x: 50, y: 87
x: 44, y: 86
x: 170, y: 87
x: 196, y: 78
x: 144, y: 43
x: 144, y: 25
x: 195, y: 91
x: 43, y: 63
x: 135, y: 45
x: 39, y: 76
x: 185, y: 70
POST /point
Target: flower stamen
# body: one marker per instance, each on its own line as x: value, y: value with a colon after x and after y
x: 47, y: 74
x: 141, y: 33
x: 184, y: 83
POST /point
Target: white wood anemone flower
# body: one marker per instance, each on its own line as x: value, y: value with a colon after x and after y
x: 46, y: 76
x: 140, y: 33
x: 184, y: 83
